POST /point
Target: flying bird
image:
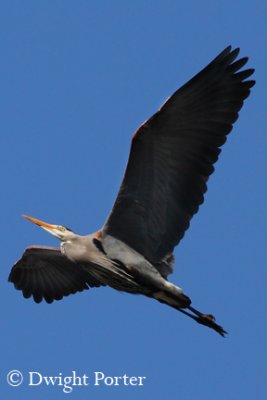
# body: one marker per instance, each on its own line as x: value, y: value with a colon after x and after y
x: 171, y: 158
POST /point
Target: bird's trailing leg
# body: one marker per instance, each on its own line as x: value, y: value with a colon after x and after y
x: 204, y: 319
x: 182, y: 304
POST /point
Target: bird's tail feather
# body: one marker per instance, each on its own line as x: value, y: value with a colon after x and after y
x: 179, y: 300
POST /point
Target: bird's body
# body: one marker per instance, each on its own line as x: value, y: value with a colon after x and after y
x: 171, y: 158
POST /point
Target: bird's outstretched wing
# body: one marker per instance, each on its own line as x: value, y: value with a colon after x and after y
x: 172, y: 156
x: 45, y: 273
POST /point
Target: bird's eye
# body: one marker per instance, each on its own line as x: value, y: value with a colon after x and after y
x: 62, y: 228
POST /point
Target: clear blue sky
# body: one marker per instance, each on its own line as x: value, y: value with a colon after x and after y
x: 77, y: 79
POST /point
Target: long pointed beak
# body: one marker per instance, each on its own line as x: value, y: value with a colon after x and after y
x: 53, y: 229
x: 56, y: 230
x: 40, y: 223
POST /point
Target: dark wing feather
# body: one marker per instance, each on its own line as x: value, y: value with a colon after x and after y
x: 172, y: 156
x: 45, y: 273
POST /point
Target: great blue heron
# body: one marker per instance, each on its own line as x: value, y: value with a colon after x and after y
x: 172, y: 155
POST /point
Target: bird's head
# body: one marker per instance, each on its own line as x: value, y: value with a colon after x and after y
x: 61, y: 232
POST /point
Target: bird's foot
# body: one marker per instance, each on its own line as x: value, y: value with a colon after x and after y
x: 209, y: 320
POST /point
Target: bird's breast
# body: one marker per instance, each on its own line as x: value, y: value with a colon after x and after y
x: 78, y: 250
x: 83, y: 250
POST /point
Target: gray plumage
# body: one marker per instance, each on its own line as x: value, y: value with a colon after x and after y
x: 172, y: 156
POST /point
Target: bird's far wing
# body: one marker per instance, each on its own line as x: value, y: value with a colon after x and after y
x: 45, y: 273
x: 172, y: 155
